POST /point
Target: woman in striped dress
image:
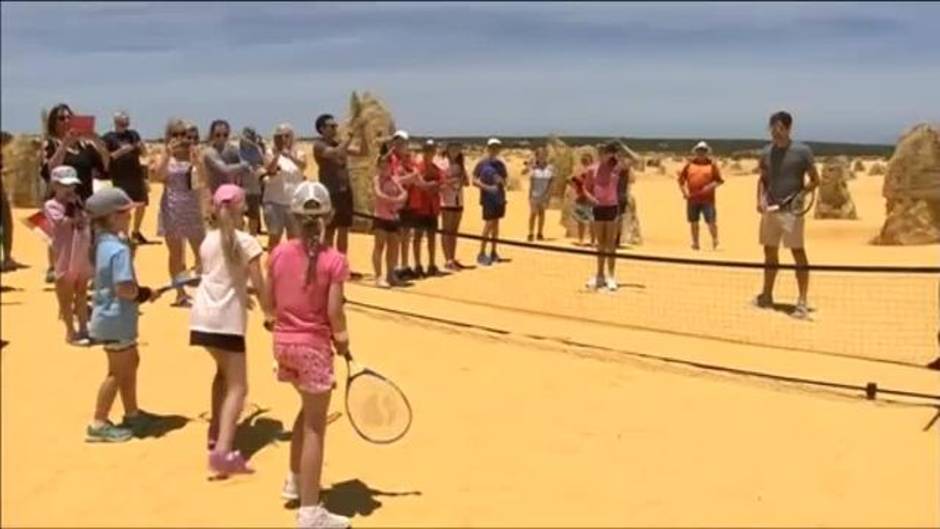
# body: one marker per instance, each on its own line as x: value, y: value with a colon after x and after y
x: 180, y: 211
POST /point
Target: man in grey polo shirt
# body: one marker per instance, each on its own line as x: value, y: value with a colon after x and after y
x: 784, y: 166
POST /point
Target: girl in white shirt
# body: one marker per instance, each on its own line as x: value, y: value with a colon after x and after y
x: 540, y: 188
x: 218, y: 319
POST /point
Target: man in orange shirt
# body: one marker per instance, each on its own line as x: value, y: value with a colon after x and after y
x: 698, y: 181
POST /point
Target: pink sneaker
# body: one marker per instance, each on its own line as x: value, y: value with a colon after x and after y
x: 227, y: 464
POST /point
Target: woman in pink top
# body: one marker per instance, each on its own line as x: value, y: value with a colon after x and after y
x: 306, y: 289
x: 71, y: 240
x: 600, y: 188
x: 389, y: 198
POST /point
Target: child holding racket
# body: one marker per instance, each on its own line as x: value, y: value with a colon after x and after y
x: 114, y: 315
x: 306, y: 292
x: 71, y: 240
x: 389, y: 198
x: 230, y: 259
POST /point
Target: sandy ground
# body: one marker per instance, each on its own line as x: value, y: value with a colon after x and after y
x: 509, y: 429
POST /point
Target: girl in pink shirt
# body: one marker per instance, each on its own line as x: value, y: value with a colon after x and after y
x: 600, y: 188
x: 389, y: 198
x: 71, y: 240
x: 306, y: 277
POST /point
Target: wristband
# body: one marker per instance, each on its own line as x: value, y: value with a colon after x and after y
x: 143, y: 294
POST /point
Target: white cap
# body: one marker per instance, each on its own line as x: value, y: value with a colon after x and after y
x: 429, y: 143
x: 400, y: 134
x: 493, y: 141
x: 311, y: 198
x: 65, y: 175
x: 701, y: 145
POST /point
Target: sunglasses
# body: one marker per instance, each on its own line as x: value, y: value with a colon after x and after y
x: 332, y: 125
x: 63, y: 117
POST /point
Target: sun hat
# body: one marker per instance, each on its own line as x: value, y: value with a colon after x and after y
x: 107, y: 201
x: 311, y: 198
x: 65, y: 175
x: 701, y: 145
x: 400, y: 134
x: 228, y: 194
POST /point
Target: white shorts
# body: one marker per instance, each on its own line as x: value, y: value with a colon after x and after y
x: 781, y: 226
x: 277, y: 217
x: 97, y: 185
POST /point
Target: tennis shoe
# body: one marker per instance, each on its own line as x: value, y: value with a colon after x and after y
x: 227, y: 464
x: 483, y: 260
x: 801, y: 311
x: 107, y: 433
x: 593, y: 282
x: 319, y: 517
x: 612, y: 284
x: 290, y: 491
x: 763, y: 302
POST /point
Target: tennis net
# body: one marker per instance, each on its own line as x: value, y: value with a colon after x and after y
x: 882, y: 313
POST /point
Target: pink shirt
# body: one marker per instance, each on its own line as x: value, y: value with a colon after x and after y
x: 71, y: 240
x: 301, y: 310
x: 387, y: 209
x: 601, y: 181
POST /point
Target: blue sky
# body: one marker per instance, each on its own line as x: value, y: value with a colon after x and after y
x: 849, y: 72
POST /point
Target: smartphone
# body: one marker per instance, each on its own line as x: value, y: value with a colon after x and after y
x: 84, y: 124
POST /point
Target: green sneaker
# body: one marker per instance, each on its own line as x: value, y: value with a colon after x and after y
x: 108, y: 433
x: 140, y: 423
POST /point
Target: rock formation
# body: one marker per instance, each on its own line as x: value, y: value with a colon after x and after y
x: 833, y: 200
x: 912, y: 190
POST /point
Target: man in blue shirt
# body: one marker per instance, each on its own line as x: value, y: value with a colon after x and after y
x: 490, y: 176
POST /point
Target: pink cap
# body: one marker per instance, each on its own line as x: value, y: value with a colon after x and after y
x: 227, y: 194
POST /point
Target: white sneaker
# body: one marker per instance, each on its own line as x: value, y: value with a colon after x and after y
x: 290, y: 491
x: 612, y: 284
x: 591, y: 283
x: 318, y: 517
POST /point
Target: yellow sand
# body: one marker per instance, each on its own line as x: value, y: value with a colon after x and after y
x: 508, y: 430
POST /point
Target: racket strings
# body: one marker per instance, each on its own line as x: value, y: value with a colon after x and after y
x: 376, y: 408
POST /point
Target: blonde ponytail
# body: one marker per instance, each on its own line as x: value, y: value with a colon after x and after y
x: 312, y: 229
x: 225, y: 217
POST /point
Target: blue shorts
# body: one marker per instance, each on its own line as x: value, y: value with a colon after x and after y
x: 694, y: 211
x: 494, y: 211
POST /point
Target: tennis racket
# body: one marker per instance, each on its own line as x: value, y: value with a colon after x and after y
x: 798, y: 203
x: 186, y: 279
x: 377, y: 409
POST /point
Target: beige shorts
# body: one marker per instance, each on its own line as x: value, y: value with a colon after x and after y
x: 97, y: 185
x: 777, y: 226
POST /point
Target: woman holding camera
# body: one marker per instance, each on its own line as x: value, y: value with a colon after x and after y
x: 180, y: 217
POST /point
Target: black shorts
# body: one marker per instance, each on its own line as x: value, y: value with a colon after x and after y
x: 253, y: 207
x: 391, y: 226
x: 494, y: 211
x: 424, y: 222
x: 342, y: 208
x: 136, y: 188
x: 232, y: 343
x: 606, y: 213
